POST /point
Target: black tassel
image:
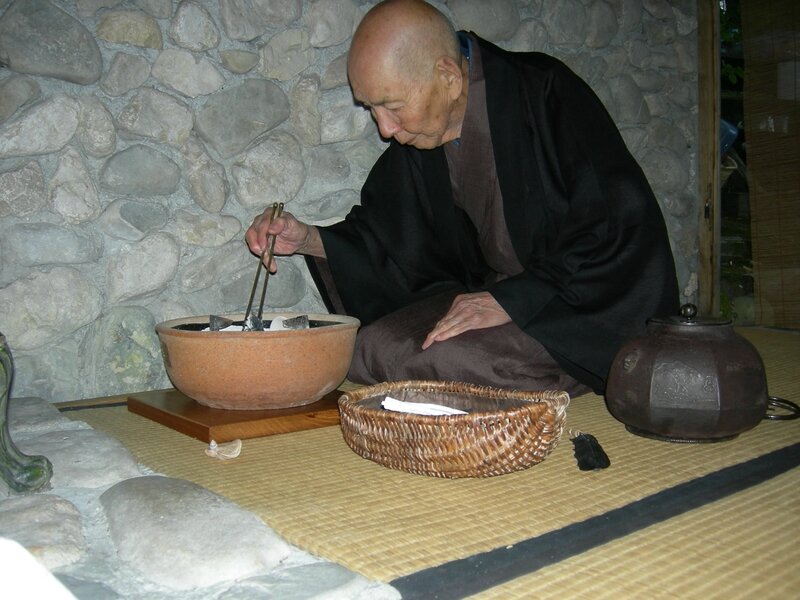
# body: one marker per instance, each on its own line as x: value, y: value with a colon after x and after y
x: 589, y: 453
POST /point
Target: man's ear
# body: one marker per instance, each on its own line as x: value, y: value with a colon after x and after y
x: 450, y: 73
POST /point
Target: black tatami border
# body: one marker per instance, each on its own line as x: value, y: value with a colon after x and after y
x: 468, y: 576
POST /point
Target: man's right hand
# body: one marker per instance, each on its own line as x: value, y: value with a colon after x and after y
x: 291, y: 236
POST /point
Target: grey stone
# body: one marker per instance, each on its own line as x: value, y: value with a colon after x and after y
x: 238, y: 61
x: 38, y: 244
x: 565, y: 21
x: 616, y: 58
x: 685, y: 54
x: 314, y: 581
x: 330, y: 22
x: 649, y: 80
x: 286, y: 55
x: 144, y: 268
x: 130, y: 27
x: 206, y: 270
x: 669, y: 136
x: 335, y: 74
x: 305, y: 117
x: 22, y: 190
x: 96, y: 133
x: 125, y: 73
x: 286, y: 286
x: 639, y: 54
x: 48, y: 527
x: 362, y: 155
x: 174, y: 517
x: 15, y: 92
x: 665, y: 170
x: 72, y: 191
x: 123, y: 352
x: 273, y: 169
x: 658, y: 33
x: 497, y: 20
x: 234, y: 118
x: 208, y: 185
x: 342, y: 120
x: 140, y: 171
x: 629, y: 14
x: 328, y: 170
x: 39, y: 38
x: 660, y: 9
x: 160, y: 9
x: 131, y: 219
x: 681, y: 93
x: 209, y: 231
x: 88, y: 8
x: 164, y: 309
x: 635, y: 139
x: 193, y: 28
x: 602, y: 24
x: 245, y: 20
x: 43, y: 128
x: 665, y: 57
x: 156, y: 116
x: 629, y: 103
x: 531, y: 36
x: 658, y: 105
x: 53, y: 371
x: 186, y: 73
x: 87, y: 589
x: 685, y: 18
x: 332, y: 207
x: 36, y: 415
x: 82, y: 458
x: 45, y: 306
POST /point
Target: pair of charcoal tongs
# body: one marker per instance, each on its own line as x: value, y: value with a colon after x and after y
x: 253, y: 322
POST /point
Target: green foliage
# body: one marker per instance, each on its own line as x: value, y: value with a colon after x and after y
x: 733, y: 73
x: 730, y: 34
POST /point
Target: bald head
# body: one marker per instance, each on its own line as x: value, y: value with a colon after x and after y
x: 405, y: 66
x: 403, y: 38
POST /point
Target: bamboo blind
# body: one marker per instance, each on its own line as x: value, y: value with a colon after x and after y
x: 771, y: 37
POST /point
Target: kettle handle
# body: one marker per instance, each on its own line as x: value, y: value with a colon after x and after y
x: 788, y: 405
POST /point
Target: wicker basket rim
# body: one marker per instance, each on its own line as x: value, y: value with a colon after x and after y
x: 555, y: 399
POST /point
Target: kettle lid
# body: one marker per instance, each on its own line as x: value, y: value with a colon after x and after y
x: 688, y: 317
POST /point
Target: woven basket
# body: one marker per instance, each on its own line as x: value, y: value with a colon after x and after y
x: 505, y: 430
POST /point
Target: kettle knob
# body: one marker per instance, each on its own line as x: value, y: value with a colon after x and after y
x: 688, y: 312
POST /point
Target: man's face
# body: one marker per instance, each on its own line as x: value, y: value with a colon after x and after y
x: 415, y: 113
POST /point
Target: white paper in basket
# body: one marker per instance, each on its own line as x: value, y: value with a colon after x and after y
x: 419, y: 408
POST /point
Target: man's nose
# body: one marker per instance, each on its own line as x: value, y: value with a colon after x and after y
x: 386, y: 125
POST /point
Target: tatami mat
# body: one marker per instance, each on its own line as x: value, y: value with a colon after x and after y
x: 318, y: 494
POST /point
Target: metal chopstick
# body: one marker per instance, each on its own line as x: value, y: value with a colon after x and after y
x: 276, y: 212
x: 277, y: 208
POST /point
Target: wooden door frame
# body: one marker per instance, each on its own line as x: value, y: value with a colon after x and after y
x: 708, y: 157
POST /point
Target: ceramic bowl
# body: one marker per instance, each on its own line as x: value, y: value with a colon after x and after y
x: 257, y: 370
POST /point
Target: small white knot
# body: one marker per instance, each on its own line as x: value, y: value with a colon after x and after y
x: 224, y: 451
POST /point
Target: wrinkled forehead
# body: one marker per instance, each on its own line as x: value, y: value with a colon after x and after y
x: 376, y: 81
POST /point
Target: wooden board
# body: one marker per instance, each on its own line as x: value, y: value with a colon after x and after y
x: 179, y: 412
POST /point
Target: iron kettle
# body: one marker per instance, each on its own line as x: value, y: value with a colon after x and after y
x: 690, y: 379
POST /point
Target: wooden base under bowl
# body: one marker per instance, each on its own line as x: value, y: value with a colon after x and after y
x: 179, y: 412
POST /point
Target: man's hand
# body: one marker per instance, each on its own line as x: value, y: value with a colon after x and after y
x: 468, y: 311
x: 291, y: 236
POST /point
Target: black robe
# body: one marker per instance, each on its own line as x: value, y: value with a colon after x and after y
x: 581, y: 215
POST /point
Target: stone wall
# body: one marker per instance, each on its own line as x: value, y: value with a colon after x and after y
x: 138, y: 139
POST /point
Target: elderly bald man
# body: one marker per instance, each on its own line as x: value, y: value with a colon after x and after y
x: 506, y: 236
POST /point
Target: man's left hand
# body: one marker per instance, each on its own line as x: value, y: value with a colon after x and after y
x: 468, y: 311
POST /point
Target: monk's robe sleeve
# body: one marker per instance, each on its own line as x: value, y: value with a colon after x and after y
x: 401, y: 244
